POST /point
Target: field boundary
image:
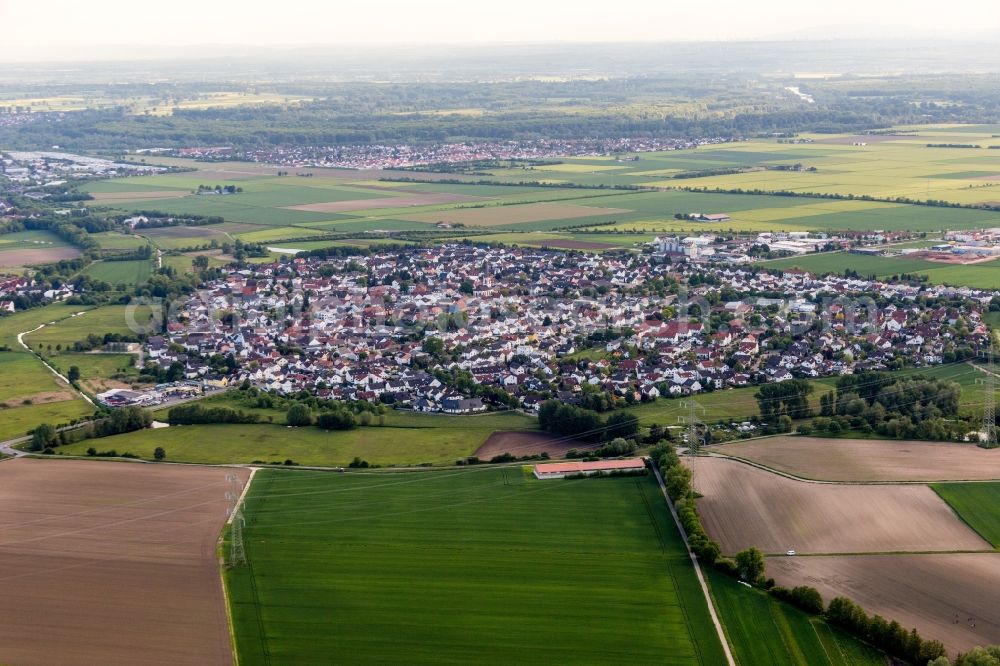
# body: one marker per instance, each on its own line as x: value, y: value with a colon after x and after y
x: 697, y: 570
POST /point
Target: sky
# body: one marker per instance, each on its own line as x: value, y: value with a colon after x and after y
x: 78, y: 28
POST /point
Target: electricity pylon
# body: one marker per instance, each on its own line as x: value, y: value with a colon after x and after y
x: 692, y: 420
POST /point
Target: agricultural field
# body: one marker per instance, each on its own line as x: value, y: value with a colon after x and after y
x: 29, y: 393
x: 921, y: 555
x: 18, y: 421
x: 29, y: 248
x: 978, y: 504
x: 128, y: 273
x: 984, y: 275
x: 724, y: 406
x: 902, y: 166
x: 99, y: 372
x: 441, y: 443
x: 947, y: 597
x: 743, y: 506
x: 113, y: 240
x: 341, y: 200
x: 762, y: 630
x: 507, y: 568
x: 106, y: 319
x: 868, y: 460
x: 183, y: 262
x: 88, y: 545
x: 492, y: 216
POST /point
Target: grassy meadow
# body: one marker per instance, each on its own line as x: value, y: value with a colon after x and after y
x: 484, y: 565
x: 402, y: 441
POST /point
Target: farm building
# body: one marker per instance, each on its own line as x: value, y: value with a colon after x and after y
x: 710, y: 217
x: 563, y: 469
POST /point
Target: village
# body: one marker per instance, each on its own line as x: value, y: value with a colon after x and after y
x: 402, y: 156
x: 461, y: 329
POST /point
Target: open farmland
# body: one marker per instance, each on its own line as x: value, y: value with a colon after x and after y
x: 29, y: 393
x: 762, y: 630
x: 982, y: 275
x: 743, y: 506
x: 869, y: 459
x: 524, y: 443
x: 942, y: 595
x: 106, y: 319
x: 30, y: 248
x: 380, y: 445
x: 387, y: 202
x: 492, y: 216
x: 129, y: 273
x: 118, y: 561
x: 485, y: 565
x: 978, y: 504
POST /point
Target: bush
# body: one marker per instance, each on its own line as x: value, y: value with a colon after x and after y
x: 298, y: 415
x: 339, y: 419
x: 803, y: 597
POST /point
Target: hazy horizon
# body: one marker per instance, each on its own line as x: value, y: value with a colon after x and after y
x: 115, y: 29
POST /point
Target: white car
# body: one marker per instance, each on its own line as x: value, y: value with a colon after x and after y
x: 790, y: 553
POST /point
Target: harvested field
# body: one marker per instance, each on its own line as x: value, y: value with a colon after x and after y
x: 526, y: 444
x: 929, y: 592
x: 111, y: 563
x: 870, y: 459
x: 385, y: 202
x: 744, y: 506
x: 491, y: 216
x: 31, y: 257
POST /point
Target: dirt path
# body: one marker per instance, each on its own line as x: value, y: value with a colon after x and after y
x: 20, y: 341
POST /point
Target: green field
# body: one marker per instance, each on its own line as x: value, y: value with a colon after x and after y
x: 978, y: 504
x: 96, y: 369
x: 484, y: 566
x: 16, y: 422
x: 984, y: 276
x: 129, y: 273
x: 24, y: 378
x: 409, y: 443
x: 106, y: 319
x: 112, y: 240
x: 762, y: 630
x: 902, y: 167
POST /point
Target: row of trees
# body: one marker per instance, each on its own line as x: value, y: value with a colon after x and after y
x: 127, y: 419
x: 195, y: 413
x: 908, y: 407
x: 562, y: 419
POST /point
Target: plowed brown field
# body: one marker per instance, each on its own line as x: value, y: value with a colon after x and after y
x: 869, y: 459
x: 943, y: 596
x: 111, y: 563
x: 526, y: 444
x: 744, y: 506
